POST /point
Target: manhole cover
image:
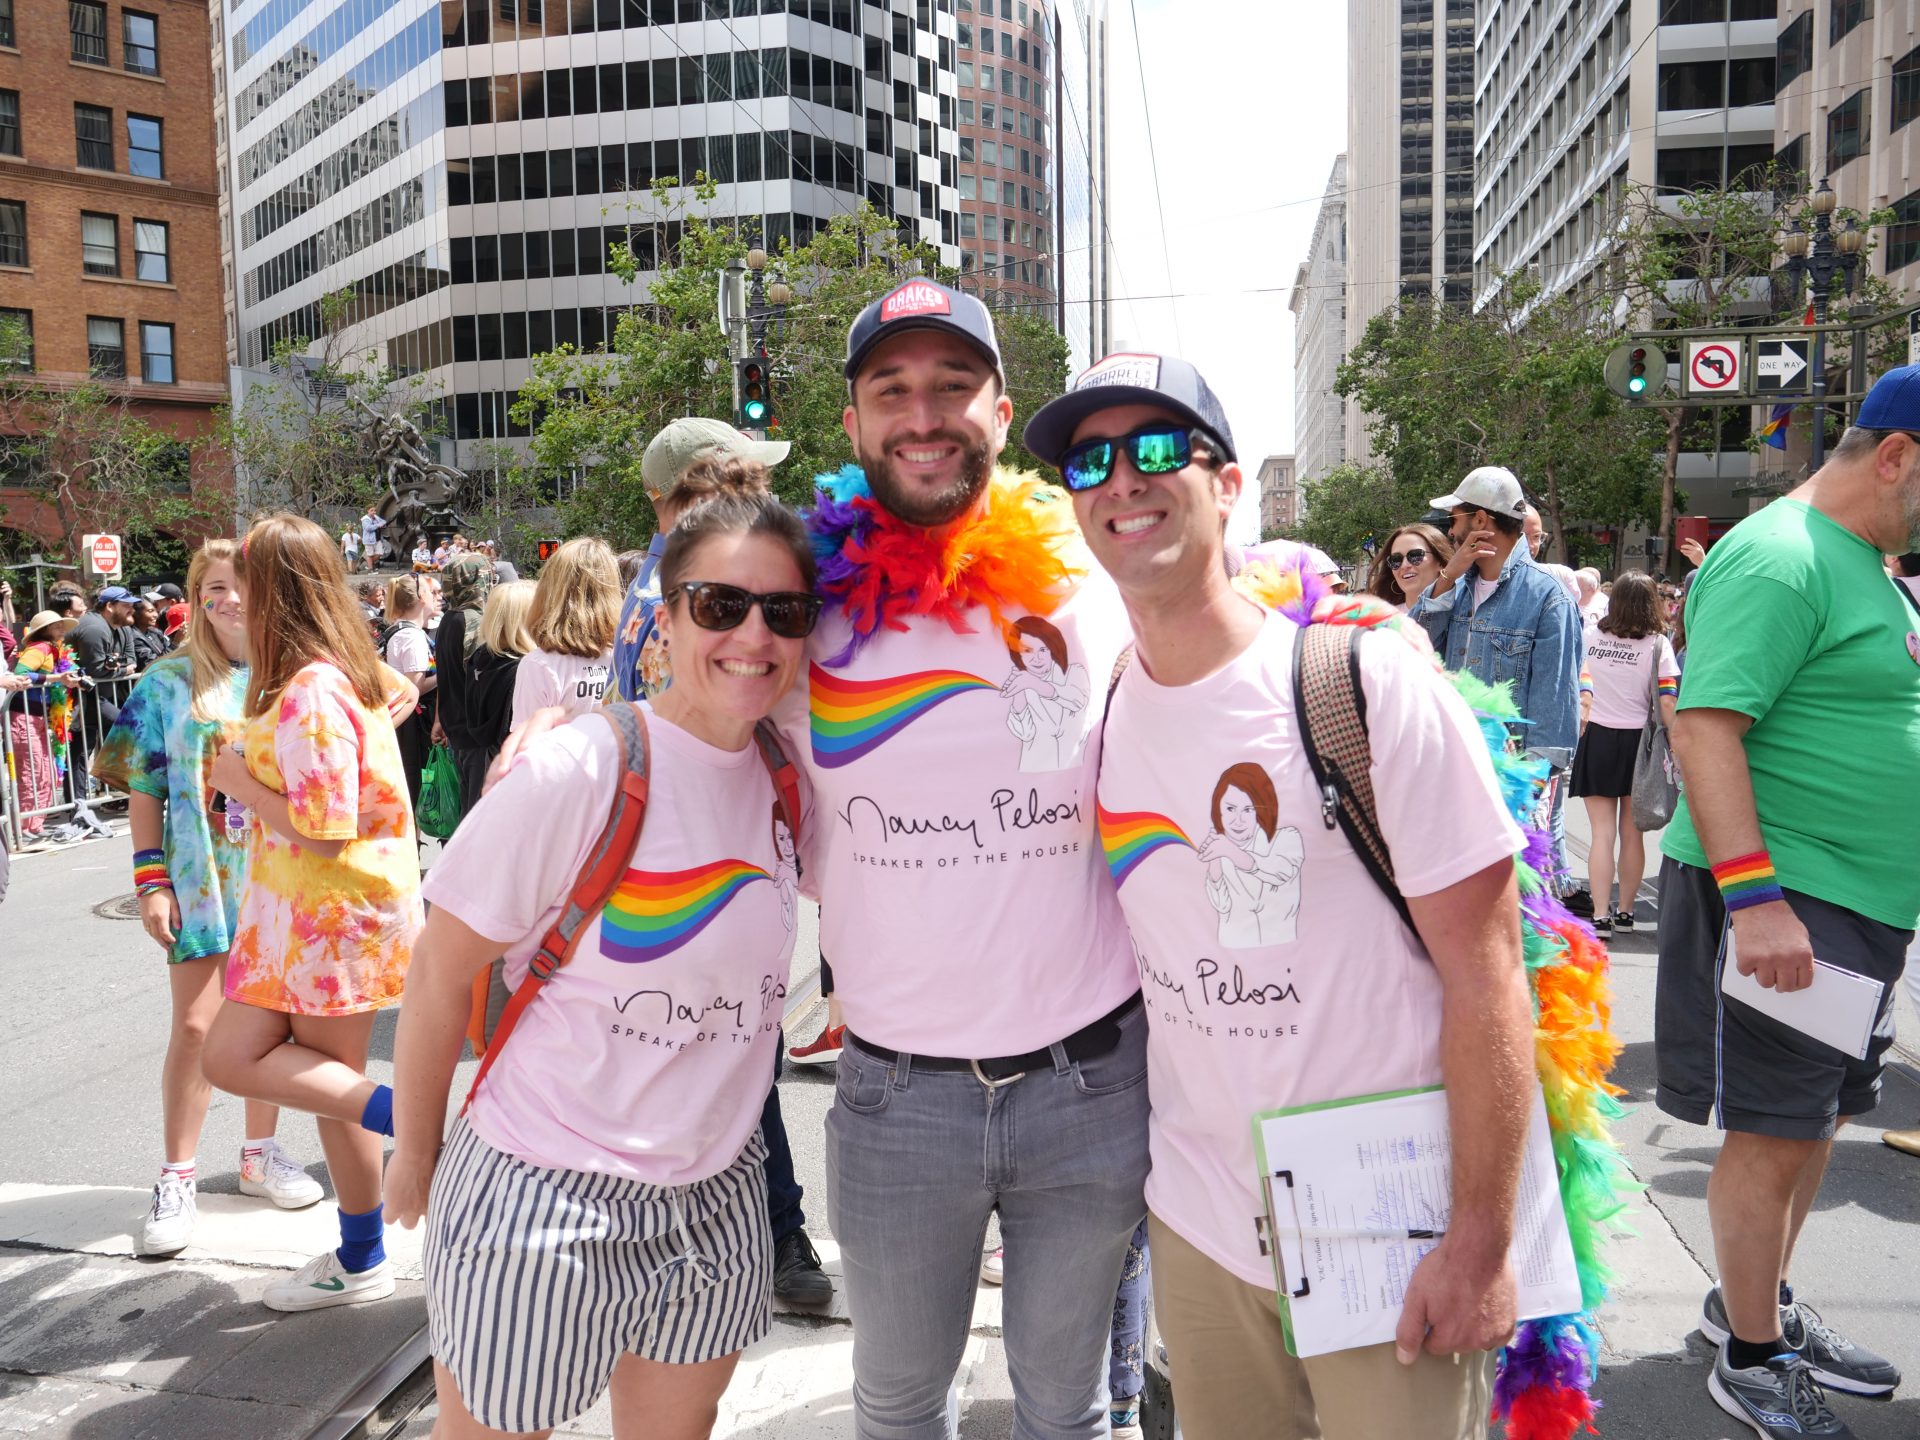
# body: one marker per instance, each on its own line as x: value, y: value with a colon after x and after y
x: 121, y: 907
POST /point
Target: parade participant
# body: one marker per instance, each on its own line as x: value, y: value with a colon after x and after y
x: 1411, y: 560
x: 41, y: 721
x: 575, y: 609
x: 610, y: 1152
x: 492, y: 670
x: 469, y: 580
x: 406, y: 646
x: 332, y: 902
x: 1205, y: 716
x: 190, y: 873
x: 640, y: 666
x: 1801, y: 698
x: 1629, y: 668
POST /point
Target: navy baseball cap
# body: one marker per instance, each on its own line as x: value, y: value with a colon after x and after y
x: 1129, y: 379
x: 922, y: 305
x: 1893, y: 403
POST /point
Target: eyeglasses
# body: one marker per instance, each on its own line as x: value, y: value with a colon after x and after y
x: 1410, y: 557
x: 1154, y: 449
x: 790, y: 614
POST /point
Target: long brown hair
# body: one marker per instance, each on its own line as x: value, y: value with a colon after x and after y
x: 212, y: 671
x: 576, y: 606
x: 299, y: 610
x: 1385, y: 584
x: 1633, y: 608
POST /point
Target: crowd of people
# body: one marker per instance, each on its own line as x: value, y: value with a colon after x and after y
x: 1037, y: 751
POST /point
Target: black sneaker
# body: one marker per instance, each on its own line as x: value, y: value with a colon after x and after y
x: 1779, y: 1400
x: 1623, y: 921
x: 797, y: 1276
x: 1580, y: 902
x: 1602, y: 926
x: 1835, y: 1360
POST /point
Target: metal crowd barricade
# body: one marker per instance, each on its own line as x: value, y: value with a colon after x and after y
x: 26, y: 823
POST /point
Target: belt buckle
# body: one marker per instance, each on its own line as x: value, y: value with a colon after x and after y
x: 992, y: 1084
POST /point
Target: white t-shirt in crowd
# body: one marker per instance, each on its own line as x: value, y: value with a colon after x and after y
x: 1615, y: 670
x: 1482, y: 589
x: 572, y: 682
x: 409, y: 651
x: 1275, y: 971
x: 963, y: 901
x: 646, y: 1056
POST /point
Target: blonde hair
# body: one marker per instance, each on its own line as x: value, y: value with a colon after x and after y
x: 212, y: 671
x: 403, y: 593
x: 503, y: 623
x: 576, y: 607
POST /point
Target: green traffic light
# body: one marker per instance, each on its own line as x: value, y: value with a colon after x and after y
x: 755, y: 410
x: 1637, y: 384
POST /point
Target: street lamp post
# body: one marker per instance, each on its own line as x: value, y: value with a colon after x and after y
x: 1817, y: 254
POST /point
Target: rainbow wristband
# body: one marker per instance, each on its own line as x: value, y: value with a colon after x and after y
x: 1748, y: 881
x: 150, y: 872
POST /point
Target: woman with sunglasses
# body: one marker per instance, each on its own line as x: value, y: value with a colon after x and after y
x: 1411, y: 560
x: 598, y: 1217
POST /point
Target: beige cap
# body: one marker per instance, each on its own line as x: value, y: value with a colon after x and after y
x: 670, y: 452
x: 46, y: 619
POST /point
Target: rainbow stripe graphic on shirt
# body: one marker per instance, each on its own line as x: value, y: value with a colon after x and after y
x: 655, y: 912
x: 1128, y: 837
x: 851, y: 718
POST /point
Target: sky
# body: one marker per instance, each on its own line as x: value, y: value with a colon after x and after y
x: 1247, y: 101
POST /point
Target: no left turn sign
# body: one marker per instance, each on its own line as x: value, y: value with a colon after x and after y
x: 1714, y: 367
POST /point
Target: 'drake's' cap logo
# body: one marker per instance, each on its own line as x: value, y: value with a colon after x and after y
x: 1142, y: 371
x: 914, y: 298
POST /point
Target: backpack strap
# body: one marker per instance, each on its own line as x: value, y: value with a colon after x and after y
x: 1113, y: 680
x: 786, y: 778
x: 593, y: 887
x: 1332, y: 711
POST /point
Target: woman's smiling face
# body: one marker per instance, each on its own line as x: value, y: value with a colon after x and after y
x: 1237, y: 818
x: 1035, y: 658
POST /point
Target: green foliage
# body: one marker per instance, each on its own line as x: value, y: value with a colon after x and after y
x: 592, y: 414
x: 1351, y: 503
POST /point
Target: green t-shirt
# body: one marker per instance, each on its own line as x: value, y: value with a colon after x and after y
x: 1793, y: 621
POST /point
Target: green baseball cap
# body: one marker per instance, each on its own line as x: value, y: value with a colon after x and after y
x: 670, y: 452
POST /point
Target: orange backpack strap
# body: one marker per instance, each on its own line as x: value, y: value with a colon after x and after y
x: 786, y: 779
x: 593, y: 887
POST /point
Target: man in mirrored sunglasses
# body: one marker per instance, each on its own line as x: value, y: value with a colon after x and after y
x: 1210, y: 819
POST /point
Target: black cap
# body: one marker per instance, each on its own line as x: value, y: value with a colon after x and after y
x: 922, y: 305
x: 1128, y: 379
x: 169, y: 591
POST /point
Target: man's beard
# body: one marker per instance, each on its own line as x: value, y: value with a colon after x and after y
x: 946, y: 504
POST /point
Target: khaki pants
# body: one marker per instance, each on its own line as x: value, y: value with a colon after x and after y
x: 1233, y: 1378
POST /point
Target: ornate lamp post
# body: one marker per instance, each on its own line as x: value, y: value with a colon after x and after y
x: 1817, y: 255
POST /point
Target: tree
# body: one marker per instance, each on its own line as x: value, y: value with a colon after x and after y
x: 593, y: 413
x: 1351, y: 505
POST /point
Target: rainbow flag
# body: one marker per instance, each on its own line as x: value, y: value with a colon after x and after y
x: 1128, y: 837
x: 655, y: 912
x: 851, y: 718
x: 1774, y: 432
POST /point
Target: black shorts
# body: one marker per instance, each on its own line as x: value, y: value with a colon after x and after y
x: 1603, y: 765
x: 1723, y: 1063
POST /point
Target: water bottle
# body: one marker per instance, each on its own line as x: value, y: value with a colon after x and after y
x: 236, y: 821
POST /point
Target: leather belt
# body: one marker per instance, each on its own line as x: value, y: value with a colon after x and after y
x: 1089, y: 1042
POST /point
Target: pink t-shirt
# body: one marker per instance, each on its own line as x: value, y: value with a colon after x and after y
x: 1616, y: 672
x: 964, y: 904
x: 646, y: 1056
x: 1275, y: 972
x: 545, y: 678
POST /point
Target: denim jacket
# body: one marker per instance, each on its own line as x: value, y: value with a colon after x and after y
x: 1526, y: 632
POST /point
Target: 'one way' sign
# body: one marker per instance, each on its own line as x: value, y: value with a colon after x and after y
x: 1783, y: 367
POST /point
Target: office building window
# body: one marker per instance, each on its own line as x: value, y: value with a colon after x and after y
x: 156, y: 353
x: 1793, y: 52
x: 1750, y: 82
x: 9, y: 122
x: 1844, y: 16
x: 1791, y: 161
x: 1847, y: 132
x: 16, y: 340
x: 144, y: 156
x: 1906, y: 91
x: 6, y: 25
x: 1903, y: 234
x: 152, y: 251
x: 99, y: 244
x: 13, y: 232
x: 107, y: 347
x: 93, y: 132
x: 87, y: 20
x: 140, y: 42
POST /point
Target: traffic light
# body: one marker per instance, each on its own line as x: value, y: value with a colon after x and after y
x: 1636, y: 371
x: 755, y: 389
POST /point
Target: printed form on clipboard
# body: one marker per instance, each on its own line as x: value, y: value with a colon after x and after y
x: 1359, y: 1191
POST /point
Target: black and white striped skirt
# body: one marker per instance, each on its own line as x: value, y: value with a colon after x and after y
x: 539, y: 1280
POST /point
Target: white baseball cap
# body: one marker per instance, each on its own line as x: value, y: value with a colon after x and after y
x: 1492, y: 488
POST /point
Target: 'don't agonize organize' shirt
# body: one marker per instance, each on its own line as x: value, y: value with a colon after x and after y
x: 1619, y: 674
x: 574, y: 683
x: 1274, y: 970
x: 965, y: 906
x: 646, y: 1056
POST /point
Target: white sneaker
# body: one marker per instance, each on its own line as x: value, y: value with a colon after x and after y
x: 170, y: 1219
x: 323, y: 1281
x: 274, y: 1176
x: 993, y: 1266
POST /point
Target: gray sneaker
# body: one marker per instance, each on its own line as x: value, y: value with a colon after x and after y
x: 1779, y: 1400
x: 1836, y: 1360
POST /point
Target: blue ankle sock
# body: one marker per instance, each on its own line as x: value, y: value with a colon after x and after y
x: 362, y: 1240
x: 378, y: 1116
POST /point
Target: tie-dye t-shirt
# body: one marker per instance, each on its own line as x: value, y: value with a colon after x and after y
x: 322, y: 936
x: 157, y: 748
x: 646, y: 1056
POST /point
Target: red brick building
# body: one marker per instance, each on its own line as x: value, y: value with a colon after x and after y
x: 109, y: 218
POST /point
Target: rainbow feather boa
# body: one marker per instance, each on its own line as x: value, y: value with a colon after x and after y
x: 1020, y: 550
x: 1543, y: 1387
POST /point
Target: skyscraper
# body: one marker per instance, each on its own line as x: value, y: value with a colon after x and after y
x: 1319, y: 306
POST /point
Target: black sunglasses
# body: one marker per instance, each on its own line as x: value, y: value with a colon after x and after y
x: 790, y: 614
x: 1408, y: 557
x: 1157, y: 449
